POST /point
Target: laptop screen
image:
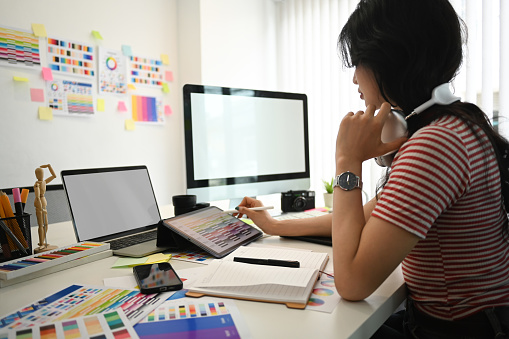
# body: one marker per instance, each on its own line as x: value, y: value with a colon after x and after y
x: 110, y: 202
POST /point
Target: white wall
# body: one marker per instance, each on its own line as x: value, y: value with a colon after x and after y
x: 220, y: 42
x: 150, y: 28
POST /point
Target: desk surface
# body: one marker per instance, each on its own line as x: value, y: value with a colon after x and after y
x: 265, y: 320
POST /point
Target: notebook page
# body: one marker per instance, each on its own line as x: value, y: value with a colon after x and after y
x: 228, y: 273
x: 306, y: 259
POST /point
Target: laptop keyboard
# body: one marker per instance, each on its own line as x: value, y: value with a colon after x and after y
x: 132, y: 240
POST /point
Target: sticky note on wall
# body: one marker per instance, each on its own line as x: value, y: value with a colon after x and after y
x: 100, y: 105
x: 37, y: 94
x: 20, y: 79
x: 121, y: 106
x: 47, y: 74
x: 97, y: 35
x: 45, y: 113
x: 39, y: 30
x: 129, y: 125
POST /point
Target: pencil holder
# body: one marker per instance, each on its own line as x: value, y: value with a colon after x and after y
x: 15, y: 237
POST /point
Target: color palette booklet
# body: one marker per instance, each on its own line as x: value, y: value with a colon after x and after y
x: 110, y: 325
x: 291, y: 286
x: 77, y: 301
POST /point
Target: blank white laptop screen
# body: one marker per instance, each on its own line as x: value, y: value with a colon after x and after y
x: 110, y: 201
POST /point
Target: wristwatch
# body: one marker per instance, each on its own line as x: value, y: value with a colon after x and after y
x: 347, y: 181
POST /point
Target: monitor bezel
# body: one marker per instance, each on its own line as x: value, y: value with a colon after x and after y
x: 192, y: 183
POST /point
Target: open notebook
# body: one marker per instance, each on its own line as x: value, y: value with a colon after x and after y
x: 291, y: 286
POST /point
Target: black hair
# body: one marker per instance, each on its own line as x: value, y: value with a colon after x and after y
x: 413, y: 46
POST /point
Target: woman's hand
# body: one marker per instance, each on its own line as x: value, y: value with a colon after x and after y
x: 261, y: 219
x: 359, y: 136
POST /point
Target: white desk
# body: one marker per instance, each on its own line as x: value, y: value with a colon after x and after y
x: 265, y: 320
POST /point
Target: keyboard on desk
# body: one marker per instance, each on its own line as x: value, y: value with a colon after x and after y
x: 133, y: 240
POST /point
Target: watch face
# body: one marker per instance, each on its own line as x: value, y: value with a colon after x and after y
x: 347, y: 181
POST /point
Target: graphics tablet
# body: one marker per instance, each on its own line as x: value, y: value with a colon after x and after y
x: 213, y: 230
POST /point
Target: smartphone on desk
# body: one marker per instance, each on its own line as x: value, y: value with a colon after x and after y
x: 155, y: 278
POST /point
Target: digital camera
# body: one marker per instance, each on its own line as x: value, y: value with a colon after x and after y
x: 297, y: 201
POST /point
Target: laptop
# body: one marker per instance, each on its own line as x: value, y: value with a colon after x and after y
x: 115, y: 205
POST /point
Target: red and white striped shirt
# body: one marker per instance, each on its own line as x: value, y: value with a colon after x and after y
x: 445, y: 188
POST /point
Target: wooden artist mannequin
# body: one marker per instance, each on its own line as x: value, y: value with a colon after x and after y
x: 40, y: 204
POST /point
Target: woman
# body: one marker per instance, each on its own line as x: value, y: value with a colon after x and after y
x: 441, y: 210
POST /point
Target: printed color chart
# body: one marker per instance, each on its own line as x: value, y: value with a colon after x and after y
x: 113, y: 325
x: 146, y: 109
x: 33, y: 263
x: 71, y: 57
x: 145, y: 71
x: 19, y: 47
x: 70, y: 97
x: 78, y: 301
x: 191, y: 319
x: 112, y: 72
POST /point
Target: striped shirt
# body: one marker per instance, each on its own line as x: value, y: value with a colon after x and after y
x: 445, y: 188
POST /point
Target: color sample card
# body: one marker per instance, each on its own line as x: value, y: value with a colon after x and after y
x: 70, y: 97
x: 70, y: 57
x: 200, y: 257
x: 79, y: 301
x: 33, y: 263
x: 111, y: 325
x: 19, y: 48
x: 324, y: 297
x: 112, y: 72
x: 183, y: 318
x: 147, y: 109
x: 146, y: 71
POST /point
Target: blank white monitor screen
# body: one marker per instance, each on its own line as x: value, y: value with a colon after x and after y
x: 244, y: 142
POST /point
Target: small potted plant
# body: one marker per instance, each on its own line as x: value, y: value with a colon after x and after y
x: 327, y: 196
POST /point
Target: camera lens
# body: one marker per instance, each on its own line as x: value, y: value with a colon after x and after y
x: 299, y: 204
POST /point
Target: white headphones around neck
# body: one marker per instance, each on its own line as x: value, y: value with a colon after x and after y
x: 396, y: 127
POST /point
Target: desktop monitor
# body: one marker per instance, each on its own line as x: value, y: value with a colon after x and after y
x: 244, y: 142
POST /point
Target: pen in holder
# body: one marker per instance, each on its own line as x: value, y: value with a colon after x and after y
x: 15, y: 237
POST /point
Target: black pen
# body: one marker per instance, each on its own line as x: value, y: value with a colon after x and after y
x: 270, y: 262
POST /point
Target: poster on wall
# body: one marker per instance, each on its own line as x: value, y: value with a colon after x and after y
x: 112, y: 72
x: 71, y: 57
x: 19, y: 48
x: 145, y: 71
x: 147, y: 109
x: 71, y: 98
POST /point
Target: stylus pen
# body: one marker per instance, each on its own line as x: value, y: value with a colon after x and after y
x: 269, y: 262
x: 263, y: 208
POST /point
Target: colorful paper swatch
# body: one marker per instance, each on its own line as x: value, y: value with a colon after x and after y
x: 70, y: 57
x: 193, y: 319
x: 111, y: 325
x: 79, y: 301
x: 112, y: 72
x: 145, y: 71
x: 70, y: 97
x: 19, y: 48
x: 146, y: 109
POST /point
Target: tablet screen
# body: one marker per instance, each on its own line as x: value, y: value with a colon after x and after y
x: 214, y: 231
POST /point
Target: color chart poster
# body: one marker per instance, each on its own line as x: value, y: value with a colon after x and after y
x: 146, y: 71
x: 110, y: 325
x: 147, y: 109
x: 19, y: 48
x: 71, y: 57
x: 72, y: 98
x: 112, y: 72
